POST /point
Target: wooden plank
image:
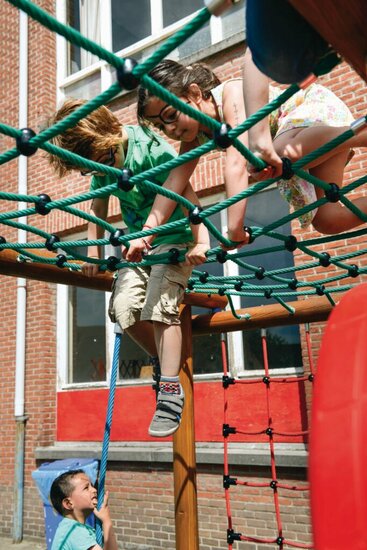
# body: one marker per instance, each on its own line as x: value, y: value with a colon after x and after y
x: 274, y: 315
x: 342, y: 24
x: 10, y: 266
x: 184, y: 458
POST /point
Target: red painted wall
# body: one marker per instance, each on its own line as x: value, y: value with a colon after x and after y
x: 81, y: 414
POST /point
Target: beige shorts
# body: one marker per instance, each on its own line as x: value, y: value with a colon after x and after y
x: 152, y: 293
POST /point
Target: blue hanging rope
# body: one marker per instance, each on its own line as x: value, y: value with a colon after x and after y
x: 107, y: 433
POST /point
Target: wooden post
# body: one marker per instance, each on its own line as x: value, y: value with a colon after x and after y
x: 184, y: 459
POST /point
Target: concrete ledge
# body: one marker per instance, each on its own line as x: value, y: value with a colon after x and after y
x: 239, y: 454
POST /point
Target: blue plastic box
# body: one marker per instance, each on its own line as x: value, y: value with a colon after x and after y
x: 44, y: 478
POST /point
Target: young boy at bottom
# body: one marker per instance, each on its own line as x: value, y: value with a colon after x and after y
x: 146, y: 299
x: 74, y: 497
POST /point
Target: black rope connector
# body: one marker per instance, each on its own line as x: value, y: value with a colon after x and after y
x: 320, y: 290
x: 203, y: 277
x: 125, y: 75
x: 333, y: 192
x: 227, y: 380
x: 269, y: 431
x: 291, y: 243
x: 40, y: 205
x: 287, y: 172
x: 227, y: 430
x: 232, y: 536
x: 273, y: 484
x: 238, y: 286
x: 280, y: 541
x: 221, y: 291
x: 266, y: 380
x: 51, y: 240
x: 324, y: 261
x: 353, y: 270
x: 259, y: 273
x: 2, y: 240
x: 22, y: 142
x: 123, y: 180
x: 221, y: 256
x: 228, y: 481
x: 112, y: 262
x: 61, y: 260
x: 174, y: 256
x: 114, y: 237
x: 194, y: 216
x: 191, y: 285
x: 268, y: 292
x: 311, y: 377
x: 293, y: 284
x: 249, y: 231
x: 221, y: 137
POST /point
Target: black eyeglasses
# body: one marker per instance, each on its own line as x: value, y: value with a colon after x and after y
x: 109, y: 162
x: 168, y: 114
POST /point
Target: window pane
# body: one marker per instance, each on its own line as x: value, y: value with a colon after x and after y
x: 207, y: 348
x: 133, y: 361
x: 283, y: 342
x: 83, y: 16
x: 130, y: 22
x: 174, y: 10
x: 88, y: 343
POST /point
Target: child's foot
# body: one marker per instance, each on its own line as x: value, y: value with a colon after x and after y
x: 167, y: 416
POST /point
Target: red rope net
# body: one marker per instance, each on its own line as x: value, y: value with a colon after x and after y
x: 270, y: 430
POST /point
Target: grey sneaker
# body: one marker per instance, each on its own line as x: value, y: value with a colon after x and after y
x: 167, y: 416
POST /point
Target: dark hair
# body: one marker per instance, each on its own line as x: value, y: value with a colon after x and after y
x: 61, y: 488
x: 177, y: 79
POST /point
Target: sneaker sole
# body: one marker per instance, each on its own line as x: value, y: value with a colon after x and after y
x: 164, y: 434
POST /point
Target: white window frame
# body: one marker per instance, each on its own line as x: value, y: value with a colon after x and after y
x: 159, y: 34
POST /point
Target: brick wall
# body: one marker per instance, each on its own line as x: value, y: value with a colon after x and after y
x: 141, y: 498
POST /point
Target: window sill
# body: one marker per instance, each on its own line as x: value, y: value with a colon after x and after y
x: 239, y: 454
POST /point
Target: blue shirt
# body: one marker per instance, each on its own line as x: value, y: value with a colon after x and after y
x: 72, y: 535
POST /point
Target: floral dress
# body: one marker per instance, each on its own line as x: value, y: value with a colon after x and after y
x: 314, y: 106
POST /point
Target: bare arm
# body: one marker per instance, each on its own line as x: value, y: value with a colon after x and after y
x: 197, y: 253
x: 103, y: 514
x: 163, y: 207
x: 235, y: 172
x: 256, y: 95
x: 99, y: 208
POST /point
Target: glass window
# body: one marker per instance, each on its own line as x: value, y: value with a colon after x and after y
x: 88, y: 335
x: 174, y: 10
x: 283, y: 342
x: 84, y: 16
x: 131, y: 22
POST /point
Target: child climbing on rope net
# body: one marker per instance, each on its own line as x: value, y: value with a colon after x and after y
x: 306, y: 121
x: 323, y: 114
x: 146, y: 298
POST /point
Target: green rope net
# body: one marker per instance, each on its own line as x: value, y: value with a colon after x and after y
x: 279, y: 284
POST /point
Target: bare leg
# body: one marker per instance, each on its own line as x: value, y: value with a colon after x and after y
x: 297, y: 143
x: 143, y: 334
x: 335, y: 217
x: 168, y: 339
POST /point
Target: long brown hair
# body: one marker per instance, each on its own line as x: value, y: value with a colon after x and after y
x: 177, y: 79
x: 91, y: 137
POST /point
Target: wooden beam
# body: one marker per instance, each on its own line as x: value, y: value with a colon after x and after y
x: 342, y: 24
x: 274, y: 315
x: 184, y: 458
x: 10, y: 266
